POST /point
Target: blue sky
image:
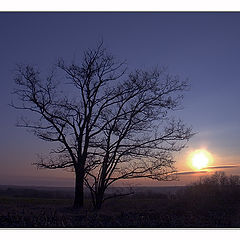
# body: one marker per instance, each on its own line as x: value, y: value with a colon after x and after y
x: 203, y: 47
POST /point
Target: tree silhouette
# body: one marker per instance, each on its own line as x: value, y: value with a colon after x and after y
x: 137, y: 136
x: 109, y: 125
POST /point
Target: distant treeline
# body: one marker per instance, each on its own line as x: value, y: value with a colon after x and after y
x: 34, y: 193
x: 68, y: 193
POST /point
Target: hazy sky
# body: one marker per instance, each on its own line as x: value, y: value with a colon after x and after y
x: 204, y: 47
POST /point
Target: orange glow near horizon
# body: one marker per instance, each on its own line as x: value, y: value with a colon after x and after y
x: 200, y: 159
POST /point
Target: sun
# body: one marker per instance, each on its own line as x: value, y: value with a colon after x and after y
x: 200, y: 159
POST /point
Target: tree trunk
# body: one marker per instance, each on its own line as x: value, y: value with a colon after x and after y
x: 99, y: 200
x: 79, y: 192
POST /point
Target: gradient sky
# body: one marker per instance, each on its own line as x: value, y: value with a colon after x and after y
x: 204, y: 47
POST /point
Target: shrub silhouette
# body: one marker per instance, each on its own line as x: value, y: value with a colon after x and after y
x: 218, y: 194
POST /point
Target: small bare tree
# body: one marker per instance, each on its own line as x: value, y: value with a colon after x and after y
x: 138, y: 136
x: 108, y: 125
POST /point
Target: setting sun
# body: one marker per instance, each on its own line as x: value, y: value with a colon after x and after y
x: 200, y: 159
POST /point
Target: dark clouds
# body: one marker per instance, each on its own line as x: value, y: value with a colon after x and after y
x: 205, y: 169
x: 220, y: 167
x: 190, y: 172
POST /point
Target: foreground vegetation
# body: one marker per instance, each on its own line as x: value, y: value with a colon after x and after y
x: 212, y: 202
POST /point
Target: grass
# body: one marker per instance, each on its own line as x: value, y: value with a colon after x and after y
x: 127, y: 213
x: 203, y: 205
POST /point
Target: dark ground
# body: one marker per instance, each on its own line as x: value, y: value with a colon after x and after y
x: 147, y: 208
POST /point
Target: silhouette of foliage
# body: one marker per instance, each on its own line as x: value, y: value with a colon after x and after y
x: 217, y: 194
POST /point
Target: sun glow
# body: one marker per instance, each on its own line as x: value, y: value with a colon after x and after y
x: 200, y: 159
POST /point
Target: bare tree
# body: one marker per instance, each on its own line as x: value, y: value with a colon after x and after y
x: 138, y: 135
x: 108, y: 125
x: 72, y: 122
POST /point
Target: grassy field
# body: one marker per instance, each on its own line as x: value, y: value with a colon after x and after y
x: 143, y: 210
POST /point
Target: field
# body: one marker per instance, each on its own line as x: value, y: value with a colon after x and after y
x: 147, y: 208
